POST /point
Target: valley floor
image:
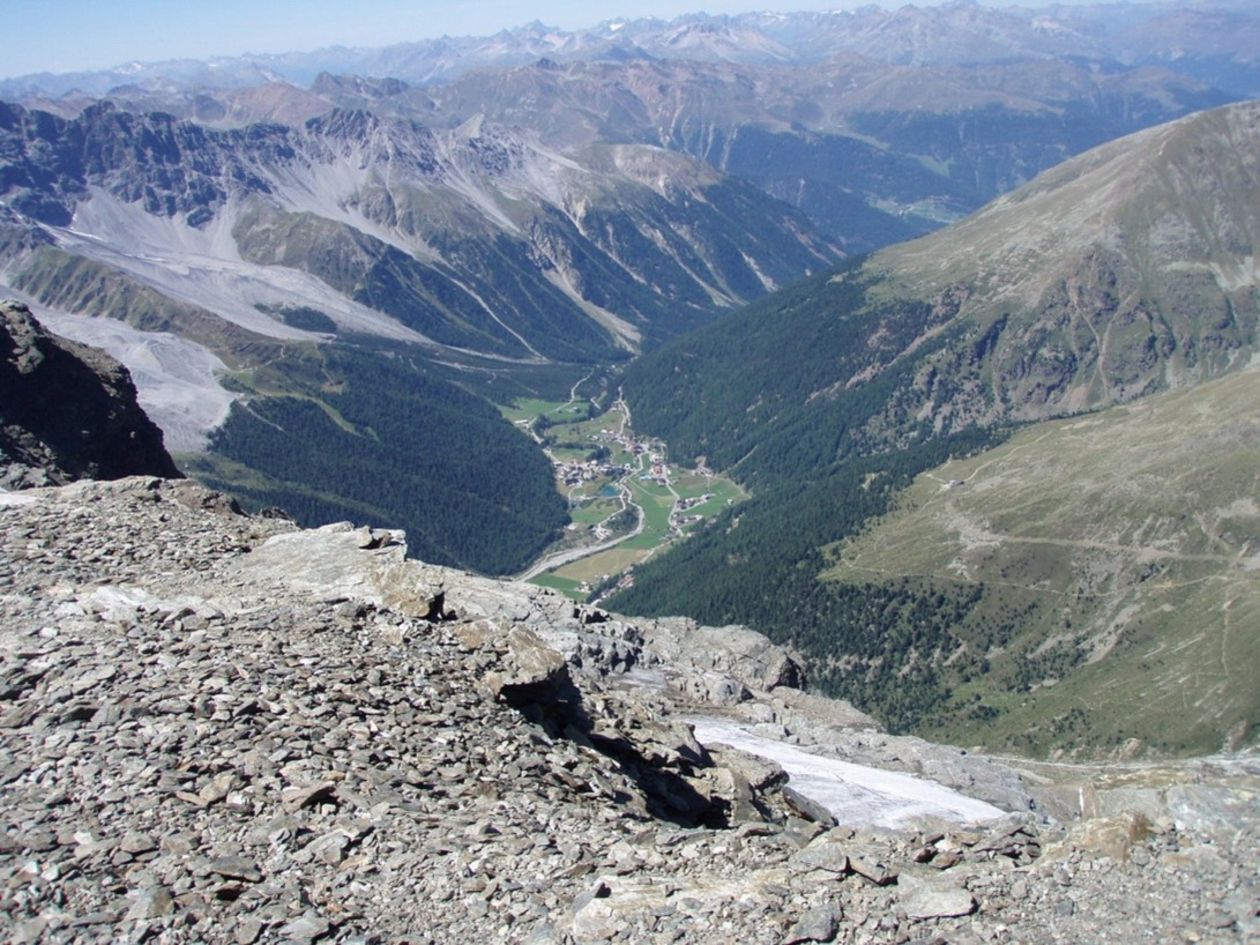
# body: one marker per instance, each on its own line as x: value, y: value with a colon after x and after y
x: 627, y: 501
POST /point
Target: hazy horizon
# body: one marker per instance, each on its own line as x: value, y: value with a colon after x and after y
x: 97, y: 36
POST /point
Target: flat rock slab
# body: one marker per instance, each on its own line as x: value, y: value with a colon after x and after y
x: 306, y: 928
x: 938, y: 902
x: 236, y: 867
x: 823, y: 854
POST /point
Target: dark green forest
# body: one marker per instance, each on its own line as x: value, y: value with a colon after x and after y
x: 384, y: 440
x: 764, y: 393
x: 758, y: 564
x: 801, y: 396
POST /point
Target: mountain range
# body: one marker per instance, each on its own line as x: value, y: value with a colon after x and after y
x: 289, y: 261
x: 1120, y: 274
x: 68, y: 412
x: 873, y: 152
x: 1215, y: 42
x: 479, y: 238
x: 328, y: 272
x: 224, y: 728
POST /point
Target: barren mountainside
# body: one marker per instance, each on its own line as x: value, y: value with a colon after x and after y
x: 1128, y: 270
x: 476, y: 238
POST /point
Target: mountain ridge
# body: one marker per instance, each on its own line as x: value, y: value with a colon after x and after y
x: 68, y: 411
x: 1124, y: 273
x: 953, y: 33
x: 860, y: 146
x: 457, y: 188
x: 1011, y: 353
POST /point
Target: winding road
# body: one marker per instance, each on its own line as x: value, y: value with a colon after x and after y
x: 569, y: 555
x: 565, y: 556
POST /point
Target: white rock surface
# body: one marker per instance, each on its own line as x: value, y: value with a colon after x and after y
x: 856, y: 795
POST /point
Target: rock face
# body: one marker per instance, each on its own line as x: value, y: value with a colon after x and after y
x: 68, y: 411
x: 478, y: 237
x: 216, y: 728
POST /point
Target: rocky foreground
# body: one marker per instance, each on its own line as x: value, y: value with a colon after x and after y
x: 221, y: 728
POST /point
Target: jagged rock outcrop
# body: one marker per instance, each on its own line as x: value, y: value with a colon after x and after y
x: 68, y: 411
x: 216, y: 728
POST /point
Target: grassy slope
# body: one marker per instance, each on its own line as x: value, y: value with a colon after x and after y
x: 1133, y: 553
x: 1124, y: 272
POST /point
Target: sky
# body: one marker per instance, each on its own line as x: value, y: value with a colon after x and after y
x: 76, y: 35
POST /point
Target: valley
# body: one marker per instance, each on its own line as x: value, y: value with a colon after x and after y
x: 627, y: 502
x: 684, y: 316
x: 359, y: 271
x: 1117, y: 290
x: 782, y: 477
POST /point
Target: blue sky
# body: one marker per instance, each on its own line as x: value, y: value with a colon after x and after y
x: 73, y: 35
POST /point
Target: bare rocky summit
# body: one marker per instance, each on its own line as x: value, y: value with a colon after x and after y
x: 68, y: 411
x: 218, y: 728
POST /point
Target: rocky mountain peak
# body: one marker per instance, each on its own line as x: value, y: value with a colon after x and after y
x: 328, y: 84
x: 68, y: 411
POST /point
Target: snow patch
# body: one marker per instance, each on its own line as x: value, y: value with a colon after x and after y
x: 766, y: 282
x: 628, y: 336
x: 856, y: 795
x: 13, y: 499
x: 328, y: 190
